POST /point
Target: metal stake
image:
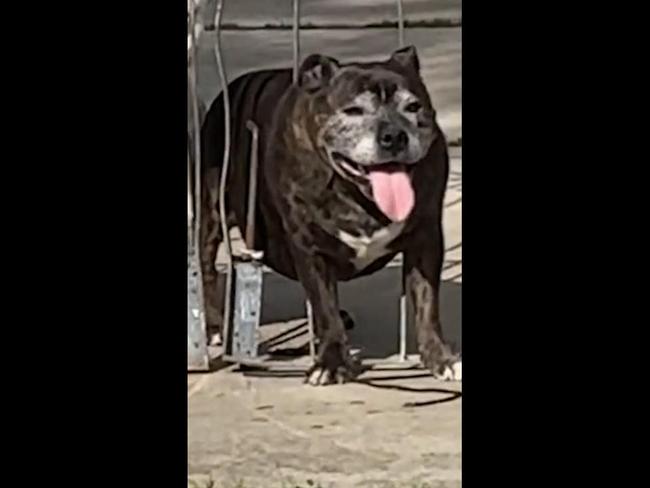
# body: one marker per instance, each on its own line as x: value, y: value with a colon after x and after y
x: 402, y: 328
x: 198, y: 358
x: 296, y: 39
x: 400, y: 23
x: 249, y: 237
x: 310, y: 326
x: 224, y: 169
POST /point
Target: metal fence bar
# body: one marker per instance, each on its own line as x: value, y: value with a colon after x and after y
x: 249, y: 235
x: 224, y: 169
x: 402, y: 299
x: 196, y: 123
x: 190, y: 201
x: 296, y: 39
x: 197, y: 338
x: 400, y: 23
x: 402, y: 328
x: 310, y: 328
x: 296, y: 61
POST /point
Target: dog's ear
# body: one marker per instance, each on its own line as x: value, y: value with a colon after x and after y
x: 407, y: 57
x: 316, y: 72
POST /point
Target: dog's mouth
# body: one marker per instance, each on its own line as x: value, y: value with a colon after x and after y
x: 363, y: 171
x: 350, y: 167
x: 390, y: 184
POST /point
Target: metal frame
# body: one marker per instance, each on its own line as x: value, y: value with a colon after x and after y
x: 241, y: 325
x: 248, y: 274
x: 197, y: 347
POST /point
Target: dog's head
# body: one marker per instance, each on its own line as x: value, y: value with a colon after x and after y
x: 373, y: 123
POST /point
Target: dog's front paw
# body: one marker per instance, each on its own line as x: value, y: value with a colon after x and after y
x: 443, y: 364
x: 450, y: 372
x: 334, y: 365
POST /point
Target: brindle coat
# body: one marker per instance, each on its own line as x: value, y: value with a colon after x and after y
x: 302, y: 201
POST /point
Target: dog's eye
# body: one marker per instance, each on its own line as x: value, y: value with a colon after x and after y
x: 413, y: 107
x: 353, y: 111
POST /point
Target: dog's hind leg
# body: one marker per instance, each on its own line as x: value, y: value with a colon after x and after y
x: 348, y: 321
x: 211, y: 237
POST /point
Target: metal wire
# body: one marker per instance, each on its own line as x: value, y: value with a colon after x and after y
x: 402, y: 328
x: 400, y: 23
x: 402, y: 299
x: 310, y: 328
x: 224, y: 169
x: 296, y: 61
x: 249, y: 235
x: 190, y: 197
x: 190, y: 203
x: 296, y: 39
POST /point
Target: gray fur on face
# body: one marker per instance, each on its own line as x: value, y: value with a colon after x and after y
x: 352, y: 128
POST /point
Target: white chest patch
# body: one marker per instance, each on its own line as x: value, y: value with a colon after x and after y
x: 369, y: 248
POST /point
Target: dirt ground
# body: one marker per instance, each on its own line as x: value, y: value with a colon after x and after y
x: 397, y: 427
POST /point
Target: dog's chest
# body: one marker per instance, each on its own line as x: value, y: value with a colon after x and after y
x: 370, y: 246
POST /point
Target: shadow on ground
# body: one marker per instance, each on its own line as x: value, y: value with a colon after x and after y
x: 373, y: 302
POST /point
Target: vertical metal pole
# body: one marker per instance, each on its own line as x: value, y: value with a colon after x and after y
x: 196, y: 122
x: 310, y: 325
x: 402, y: 327
x: 296, y: 39
x: 190, y: 204
x: 400, y: 23
x: 249, y: 237
x: 224, y: 170
x: 198, y: 357
x: 402, y: 298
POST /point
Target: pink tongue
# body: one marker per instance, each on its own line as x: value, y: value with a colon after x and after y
x: 392, y: 190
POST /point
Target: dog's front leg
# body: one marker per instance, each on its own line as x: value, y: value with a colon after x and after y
x: 333, y: 362
x: 422, y: 269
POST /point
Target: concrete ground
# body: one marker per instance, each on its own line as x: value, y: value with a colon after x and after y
x: 397, y: 427
x: 273, y: 432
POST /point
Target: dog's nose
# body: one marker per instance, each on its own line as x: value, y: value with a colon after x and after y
x: 392, y: 138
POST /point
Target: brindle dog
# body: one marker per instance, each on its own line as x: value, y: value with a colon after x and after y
x: 353, y: 170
